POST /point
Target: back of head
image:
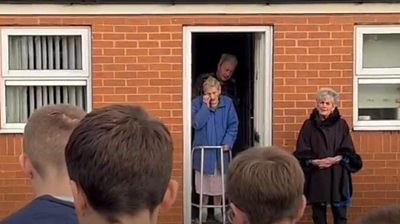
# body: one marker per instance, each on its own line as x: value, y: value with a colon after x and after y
x: 46, y: 134
x: 266, y: 184
x: 384, y: 215
x: 121, y: 158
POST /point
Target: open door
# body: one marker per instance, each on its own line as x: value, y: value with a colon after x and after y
x: 260, y: 91
x: 257, y: 52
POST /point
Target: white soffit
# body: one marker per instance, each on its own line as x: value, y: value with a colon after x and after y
x: 167, y: 9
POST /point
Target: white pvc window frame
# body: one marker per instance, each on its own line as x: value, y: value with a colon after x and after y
x: 9, y: 77
x: 372, y: 76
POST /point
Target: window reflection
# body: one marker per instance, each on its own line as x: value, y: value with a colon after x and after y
x: 381, y: 50
x: 378, y: 102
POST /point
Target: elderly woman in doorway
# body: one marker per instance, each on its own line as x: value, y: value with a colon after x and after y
x: 215, y: 123
x: 326, y: 152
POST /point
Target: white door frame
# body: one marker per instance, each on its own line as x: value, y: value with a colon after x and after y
x: 187, y: 91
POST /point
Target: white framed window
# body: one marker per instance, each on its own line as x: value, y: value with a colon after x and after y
x: 377, y: 77
x: 41, y: 66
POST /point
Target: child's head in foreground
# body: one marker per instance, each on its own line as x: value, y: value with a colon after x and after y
x: 384, y: 215
x: 46, y: 134
x: 265, y: 185
x: 119, y: 159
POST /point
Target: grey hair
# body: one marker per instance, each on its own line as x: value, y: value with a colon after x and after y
x: 328, y: 94
x: 211, y: 82
x: 227, y: 57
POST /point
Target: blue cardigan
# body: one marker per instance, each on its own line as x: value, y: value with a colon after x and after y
x: 213, y: 127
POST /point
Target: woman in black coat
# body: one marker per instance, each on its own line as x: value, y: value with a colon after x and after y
x: 327, y: 155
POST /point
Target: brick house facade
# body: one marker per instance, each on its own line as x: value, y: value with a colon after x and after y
x: 139, y: 59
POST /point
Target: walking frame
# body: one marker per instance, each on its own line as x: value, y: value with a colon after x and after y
x: 200, y: 205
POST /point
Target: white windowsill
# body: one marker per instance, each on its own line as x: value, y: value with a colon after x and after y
x: 11, y: 131
x: 377, y: 126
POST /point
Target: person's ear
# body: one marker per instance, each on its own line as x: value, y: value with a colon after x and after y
x: 302, y: 207
x: 26, y: 165
x: 170, y: 195
x: 80, y: 199
x: 239, y: 217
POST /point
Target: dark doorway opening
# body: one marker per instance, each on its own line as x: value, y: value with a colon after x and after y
x: 207, y: 49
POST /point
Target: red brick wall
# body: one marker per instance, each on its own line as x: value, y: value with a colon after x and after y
x: 138, y: 59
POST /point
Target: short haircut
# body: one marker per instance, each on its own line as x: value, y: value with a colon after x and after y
x: 266, y: 184
x: 227, y: 58
x: 328, y: 94
x: 46, y: 134
x: 384, y: 215
x: 211, y: 82
x: 121, y: 158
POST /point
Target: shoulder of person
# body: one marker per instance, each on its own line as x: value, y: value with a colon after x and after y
x: 22, y: 215
x: 341, y: 119
x: 343, y: 123
x: 226, y: 99
x: 44, y: 209
x: 25, y: 214
x: 198, y: 100
x: 307, y: 123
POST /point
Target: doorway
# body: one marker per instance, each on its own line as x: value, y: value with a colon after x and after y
x: 252, y: 46
x: 207, y: 48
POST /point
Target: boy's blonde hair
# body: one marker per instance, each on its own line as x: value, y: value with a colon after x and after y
x: 266, y: 184
x: 46, y: 134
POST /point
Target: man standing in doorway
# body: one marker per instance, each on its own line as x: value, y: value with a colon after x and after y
x: 226, y: 66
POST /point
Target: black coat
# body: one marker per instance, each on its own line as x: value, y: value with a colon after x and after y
x: 320, y: 139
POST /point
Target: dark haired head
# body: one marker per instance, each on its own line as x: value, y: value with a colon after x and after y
x: 265, y: 185
x: 121, y: 160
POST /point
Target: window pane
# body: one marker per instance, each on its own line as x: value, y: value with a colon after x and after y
x: 21, y: 101
x: 378, y: 102
x: 45, y: 52
x: 381, y: 50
